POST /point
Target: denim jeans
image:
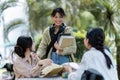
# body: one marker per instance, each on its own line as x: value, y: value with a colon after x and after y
x: 59, y: 59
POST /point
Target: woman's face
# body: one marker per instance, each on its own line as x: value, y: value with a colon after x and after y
x: 57, y: 19
x: 33, y: 47
x: 86, y: 43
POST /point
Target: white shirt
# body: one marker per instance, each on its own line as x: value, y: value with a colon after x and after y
x: 95, y: 59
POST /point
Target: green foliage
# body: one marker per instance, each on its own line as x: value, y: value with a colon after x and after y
x: 37, y: 41
x: 39, y: 12
x: 80, y: 48
x: 87, y: 20
x: 80, y: 33
x: 79, y: 36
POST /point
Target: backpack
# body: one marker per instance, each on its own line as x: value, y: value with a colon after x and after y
x: 91, y: 74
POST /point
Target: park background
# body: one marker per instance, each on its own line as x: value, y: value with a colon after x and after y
x: 31, y: 17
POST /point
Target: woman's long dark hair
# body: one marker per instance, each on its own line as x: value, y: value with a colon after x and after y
x: 96, y: 38
x: 23, y: 42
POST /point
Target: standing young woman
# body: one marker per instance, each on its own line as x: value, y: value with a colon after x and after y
x: 96, y: 57
x: 49, y: 45
x: 25, y: 62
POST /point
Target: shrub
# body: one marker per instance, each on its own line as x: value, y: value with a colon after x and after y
x: 80, y: 48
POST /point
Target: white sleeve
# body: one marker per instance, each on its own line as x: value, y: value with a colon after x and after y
x: 82, y: 66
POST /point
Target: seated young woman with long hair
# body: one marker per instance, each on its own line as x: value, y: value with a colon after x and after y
x: 97, y: 57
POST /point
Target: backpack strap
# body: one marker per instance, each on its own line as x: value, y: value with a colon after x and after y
x: 54, y: 38
x: 92, y: 74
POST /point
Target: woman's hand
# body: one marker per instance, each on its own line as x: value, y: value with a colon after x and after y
x: 59, y: 49
x: 45, y: 62
x: 67, y: 68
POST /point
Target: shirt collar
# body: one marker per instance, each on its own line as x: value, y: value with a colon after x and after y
x: 92, y: 48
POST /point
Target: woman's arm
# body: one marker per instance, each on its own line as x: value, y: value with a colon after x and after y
x: 83, y: 65
x: 44, y: 43
x: 26, y: 70
x: 40, y: 65
x: 70, y: 49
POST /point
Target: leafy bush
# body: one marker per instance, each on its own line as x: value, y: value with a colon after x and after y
x: 37, y: 41
x: 80, y: 48
x: 79, y: 36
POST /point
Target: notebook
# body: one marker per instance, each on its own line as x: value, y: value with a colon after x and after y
x: 66, y: 41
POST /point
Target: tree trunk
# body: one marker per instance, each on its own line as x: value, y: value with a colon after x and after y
x: 117, y: 40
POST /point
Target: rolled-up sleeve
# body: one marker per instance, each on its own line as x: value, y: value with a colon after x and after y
x: 82, y: 66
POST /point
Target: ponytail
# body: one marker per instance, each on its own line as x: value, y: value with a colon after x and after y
x: 23, y: 42
x: 96, y: 39
x: 19, y: 51
x: 108, y: 60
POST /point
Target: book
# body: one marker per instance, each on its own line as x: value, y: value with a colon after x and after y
x: 66, y: 41
x: 51, y: 70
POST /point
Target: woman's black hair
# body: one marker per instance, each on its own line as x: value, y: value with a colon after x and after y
x: 96, y: 38
x: 23, y: 42
x: 58, y: 10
